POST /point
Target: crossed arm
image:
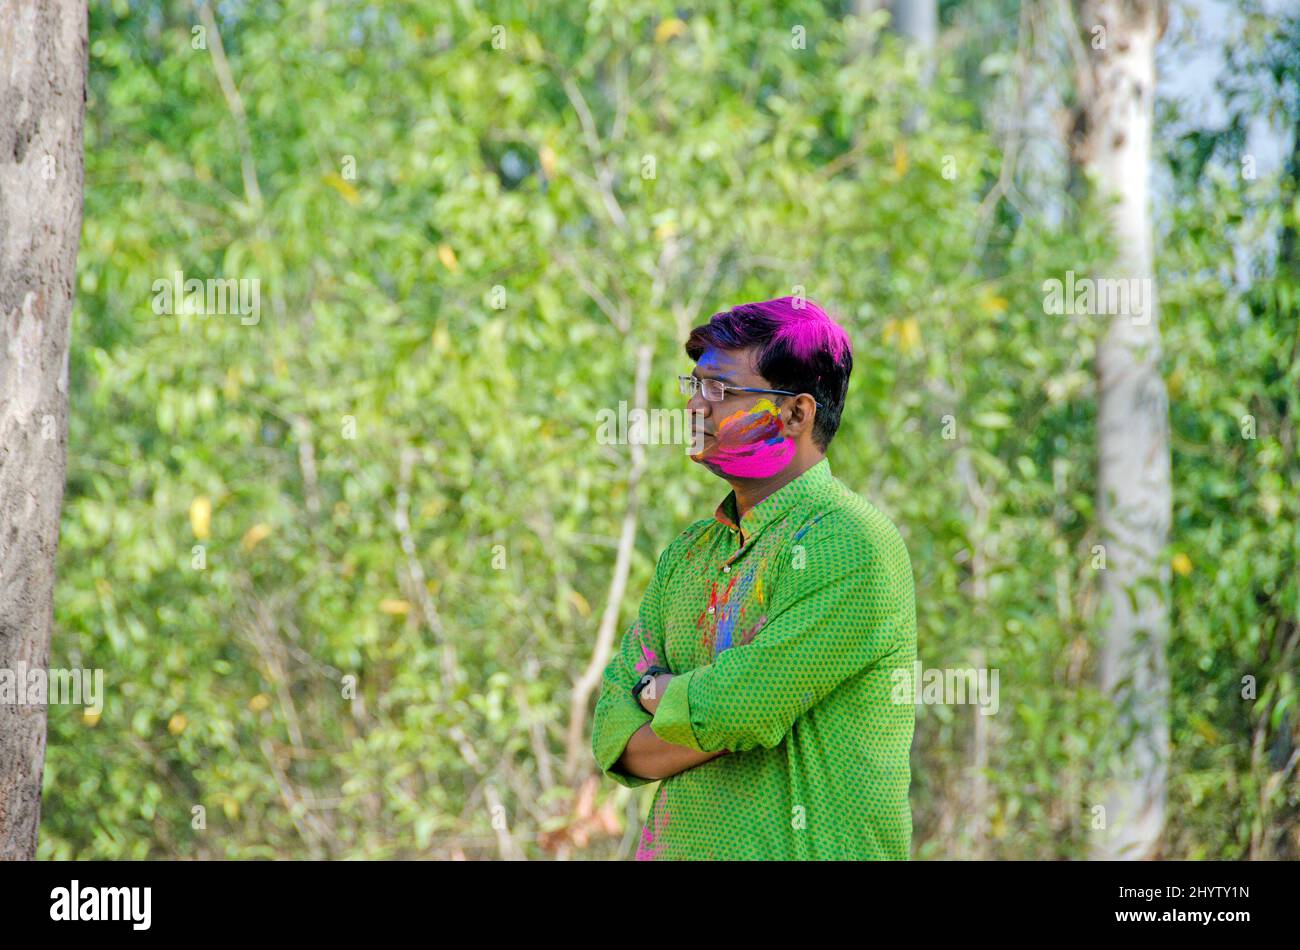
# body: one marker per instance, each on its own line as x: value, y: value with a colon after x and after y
x: 649, y: 757
x: 841, y: 615
x: 625, y: 747
x: 827, y: 623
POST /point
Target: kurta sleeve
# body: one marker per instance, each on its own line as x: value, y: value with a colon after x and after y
x: 841, y: 613
x: 618, y: 715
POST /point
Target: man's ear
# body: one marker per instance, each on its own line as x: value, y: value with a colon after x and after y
x: 802, y: 414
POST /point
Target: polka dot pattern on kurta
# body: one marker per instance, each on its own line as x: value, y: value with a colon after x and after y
x: 784, y: 632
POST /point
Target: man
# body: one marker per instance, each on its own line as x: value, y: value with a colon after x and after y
x: 756, y: 680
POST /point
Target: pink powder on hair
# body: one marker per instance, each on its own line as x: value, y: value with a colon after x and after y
x: 805, y: 328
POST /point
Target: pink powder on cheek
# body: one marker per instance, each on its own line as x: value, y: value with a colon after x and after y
x: 750, y: 443
x: 760, y: 460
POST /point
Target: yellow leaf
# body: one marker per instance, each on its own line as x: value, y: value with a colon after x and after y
x: 90, y: 717
x: 448, y: 257
x: 103, y: 586
x: 344, y: 188
x: 900, y: 157
x: 910, y: 335
x: 395, y: 607
x: 906, y: 332
x: 546, y: 155
x: 998, y: 826
x: 231, y: 807
x: 665, y: 230
x: 1175, y: 383
x: 580, y: 603
x: 176, y: 725
x: 259, y: 702
x: 255, y: 535
x: 201, y: 517
x: 441, y: 339
x: 231, y: 387
x: 1206, y: 731
x: 279, y: 367
x: 1182, y: 564
x: 991, y: 303
x: 669, y: 29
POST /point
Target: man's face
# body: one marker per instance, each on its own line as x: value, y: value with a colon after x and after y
x: 744, y: 435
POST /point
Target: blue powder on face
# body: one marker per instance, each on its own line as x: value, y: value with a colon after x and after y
x: 708, y: 359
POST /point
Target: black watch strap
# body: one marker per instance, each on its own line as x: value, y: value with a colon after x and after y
x: 645, y: 679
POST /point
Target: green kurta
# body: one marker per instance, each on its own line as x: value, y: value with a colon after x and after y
x: 819, y: 765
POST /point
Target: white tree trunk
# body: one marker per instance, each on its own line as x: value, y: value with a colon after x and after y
x: 918, y: 20
x: 42, y: 109
x: 1113, y: 146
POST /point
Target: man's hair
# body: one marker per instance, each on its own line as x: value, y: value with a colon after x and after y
x: 800, y: 349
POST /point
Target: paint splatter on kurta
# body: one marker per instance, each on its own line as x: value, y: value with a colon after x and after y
x: 791, y: 671
x: 646, y: 851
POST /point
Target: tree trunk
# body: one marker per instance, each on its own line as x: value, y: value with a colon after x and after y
x: 1112, y: 145
x: 42, y: 109
x: 918, y: 20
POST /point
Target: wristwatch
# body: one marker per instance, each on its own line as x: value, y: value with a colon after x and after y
x: 646, y: 679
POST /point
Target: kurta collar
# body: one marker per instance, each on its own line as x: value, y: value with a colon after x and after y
x: 776, y: 504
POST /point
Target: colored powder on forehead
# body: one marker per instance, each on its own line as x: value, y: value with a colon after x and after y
x: 751, y: 443
x: 709, y: 359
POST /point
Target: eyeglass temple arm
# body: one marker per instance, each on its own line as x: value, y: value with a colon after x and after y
x: 699, y: 386
x: 783, y: 392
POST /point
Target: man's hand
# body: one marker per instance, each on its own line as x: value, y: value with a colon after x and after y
x: 649, y: 696
x: 679, y: 757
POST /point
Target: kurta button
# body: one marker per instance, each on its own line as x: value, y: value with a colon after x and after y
x: 713, y: 610
x: 726, y: 569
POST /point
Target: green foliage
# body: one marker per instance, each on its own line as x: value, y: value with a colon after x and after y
x: 383, y: 386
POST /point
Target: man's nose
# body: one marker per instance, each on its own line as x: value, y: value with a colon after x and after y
x: 697, y: 405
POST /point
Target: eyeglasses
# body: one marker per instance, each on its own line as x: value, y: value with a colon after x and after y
x: 715, y: 390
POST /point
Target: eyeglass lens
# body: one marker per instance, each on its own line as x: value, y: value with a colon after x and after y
x: 712, y: 389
